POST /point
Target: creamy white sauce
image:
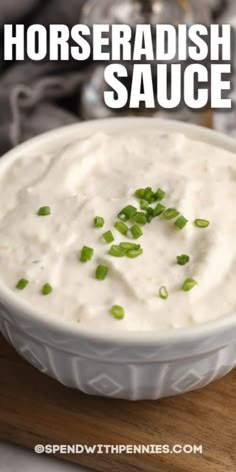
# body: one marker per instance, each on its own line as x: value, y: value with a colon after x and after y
x: 97, y: 177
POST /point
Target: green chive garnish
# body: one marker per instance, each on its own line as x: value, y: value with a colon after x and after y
x: 101, y: 272
x: 170, y: 213
x: 201, y: 223
x: 181, y: 222
x: 121, y: 227
x: 136, y: 231
x: 128, y: 246
x: 140, y: 218
x: 44, y: 211
x: 140, y: 193
x: 130, y: 250
x: 98, y: 222
x: 127, y: 213
x: 149, y: 195
x: 108, y: 237
x: 46, y: 289
x: 182, y: 260
x: 132, y: 253
x: 160, y: 194
x: 21, y: 284
x: 159, y: 209
x: 150, y: 214
x: 117, y: 251
x: 144, y: 204
x: 163, y: 292
x: 188, y: 284
x: 118, y: 312
x: 86, y: 254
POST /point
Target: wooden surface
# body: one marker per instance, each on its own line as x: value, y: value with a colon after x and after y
x: 36, y: 409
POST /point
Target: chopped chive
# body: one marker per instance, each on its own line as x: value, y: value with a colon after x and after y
x: 21, y: 284
x: 101, y: 272
x: 140, y: 192
x: 160, y: 194
x: 132, y: 253
x: 163, y: 292
x: 159, y: 209
x: 86, y: 254
x: 149, y: 195
x: 181, y: 222
x: 121, y: 227
x: 150, y: 211
x: 98, y: 222
x: 149, y: 214
x: 170, y: 213
x: 144, y: 204
x: 44, y: 211
x: 136, y: 231
x: 129, y: 246
x: 46, y: 289
x: 127, y: 213
x: 140, y: 218
x: 108, y: 237
x: 117, y: 251
x: 201, y: 223
x: 118, y: 312
x: 122, y: 217
x: 188, y: 284
x: 182, y: 260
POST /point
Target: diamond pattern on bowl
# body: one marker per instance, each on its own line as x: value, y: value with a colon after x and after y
x: 105, y: 385
x: 189, y: 380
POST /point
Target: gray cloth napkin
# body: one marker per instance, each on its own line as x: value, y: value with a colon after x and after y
x: 36, y: 97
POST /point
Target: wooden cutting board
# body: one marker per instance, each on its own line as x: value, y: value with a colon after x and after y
x: 36, y: 409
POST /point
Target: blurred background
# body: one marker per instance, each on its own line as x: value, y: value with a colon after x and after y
x: 36, y: 97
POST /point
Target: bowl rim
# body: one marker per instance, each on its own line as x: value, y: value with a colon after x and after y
x: 24, y: 311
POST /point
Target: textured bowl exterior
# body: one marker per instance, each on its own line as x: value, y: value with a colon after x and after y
x: 121, y: 367
x: 130, y: 372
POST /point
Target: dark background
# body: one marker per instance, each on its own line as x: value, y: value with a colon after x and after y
x: 36, y: 97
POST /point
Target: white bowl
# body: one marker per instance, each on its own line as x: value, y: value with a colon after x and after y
x: 131, y: 365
